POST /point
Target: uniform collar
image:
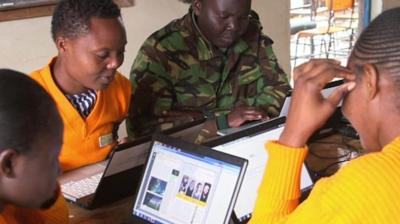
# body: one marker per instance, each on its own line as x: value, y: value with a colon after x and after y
x: 197, y: 28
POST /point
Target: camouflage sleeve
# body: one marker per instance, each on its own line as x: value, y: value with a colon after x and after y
x: 264, y: 85
x: 151, y: 88
x: 274, y: 85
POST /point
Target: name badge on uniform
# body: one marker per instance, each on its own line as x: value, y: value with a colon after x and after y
x: 105, y: 140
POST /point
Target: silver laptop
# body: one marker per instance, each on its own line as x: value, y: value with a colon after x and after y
x: 94, y: 185
x: 328, y: 89
x: 187, y: 183
x: 249, y: 144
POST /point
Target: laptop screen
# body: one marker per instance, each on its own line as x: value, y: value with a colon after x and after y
x: 251, y: 147
x: 183, y: 186
x: 133, y: 154
x: 328, y: 89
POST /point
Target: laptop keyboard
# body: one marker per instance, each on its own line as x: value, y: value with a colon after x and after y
x: 74, y: 190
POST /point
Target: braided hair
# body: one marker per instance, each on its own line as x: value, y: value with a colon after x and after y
x: 379, y: 43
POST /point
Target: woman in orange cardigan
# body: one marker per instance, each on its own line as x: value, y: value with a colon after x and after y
x: 31, y: 134
x: 92, y: 96
x: 366, y: 190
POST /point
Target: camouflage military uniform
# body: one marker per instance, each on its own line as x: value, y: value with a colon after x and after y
x: 177, y: 69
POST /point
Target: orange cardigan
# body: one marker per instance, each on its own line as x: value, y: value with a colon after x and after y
x: 58, y: 213
x: 88, y: 140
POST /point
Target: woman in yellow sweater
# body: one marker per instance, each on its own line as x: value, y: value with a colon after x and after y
x: 367, y: 189
x: 92, y: 96
x: 31, y: 134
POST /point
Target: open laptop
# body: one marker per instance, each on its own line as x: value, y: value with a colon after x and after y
x: 328, y: 89
x: 119, y: 175
x: 249, y: 144
x: 187, y: 183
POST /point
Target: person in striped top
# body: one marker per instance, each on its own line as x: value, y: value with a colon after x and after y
x: 91, y: 95
x: 366, y: 189
x: 83, y: 102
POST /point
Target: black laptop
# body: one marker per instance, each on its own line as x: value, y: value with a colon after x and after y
x: 187, y: 183
x: 249, y: 144
x: 118, y: 176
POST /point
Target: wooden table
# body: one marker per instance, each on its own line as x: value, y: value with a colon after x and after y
x: 325, y: 155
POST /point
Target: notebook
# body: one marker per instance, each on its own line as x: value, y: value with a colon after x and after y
x: 187, y: 183
x: 249, y: 144
x: 95, y: 185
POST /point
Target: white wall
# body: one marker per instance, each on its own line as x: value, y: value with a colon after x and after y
x: 387, y: 4
x: 275, y: 19
x: 25, y: 45
x: 376, y: 8
x: 380, y: 5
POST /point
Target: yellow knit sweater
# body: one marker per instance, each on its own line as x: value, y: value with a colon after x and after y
x: 366, y: 190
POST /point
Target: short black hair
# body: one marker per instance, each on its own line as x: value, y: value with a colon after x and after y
x: 71, y: 17
x: 27, y: 112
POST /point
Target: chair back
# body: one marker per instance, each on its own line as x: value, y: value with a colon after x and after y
x: 339, y: 5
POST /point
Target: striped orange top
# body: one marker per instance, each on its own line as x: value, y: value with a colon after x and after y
x: 88, y: 140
